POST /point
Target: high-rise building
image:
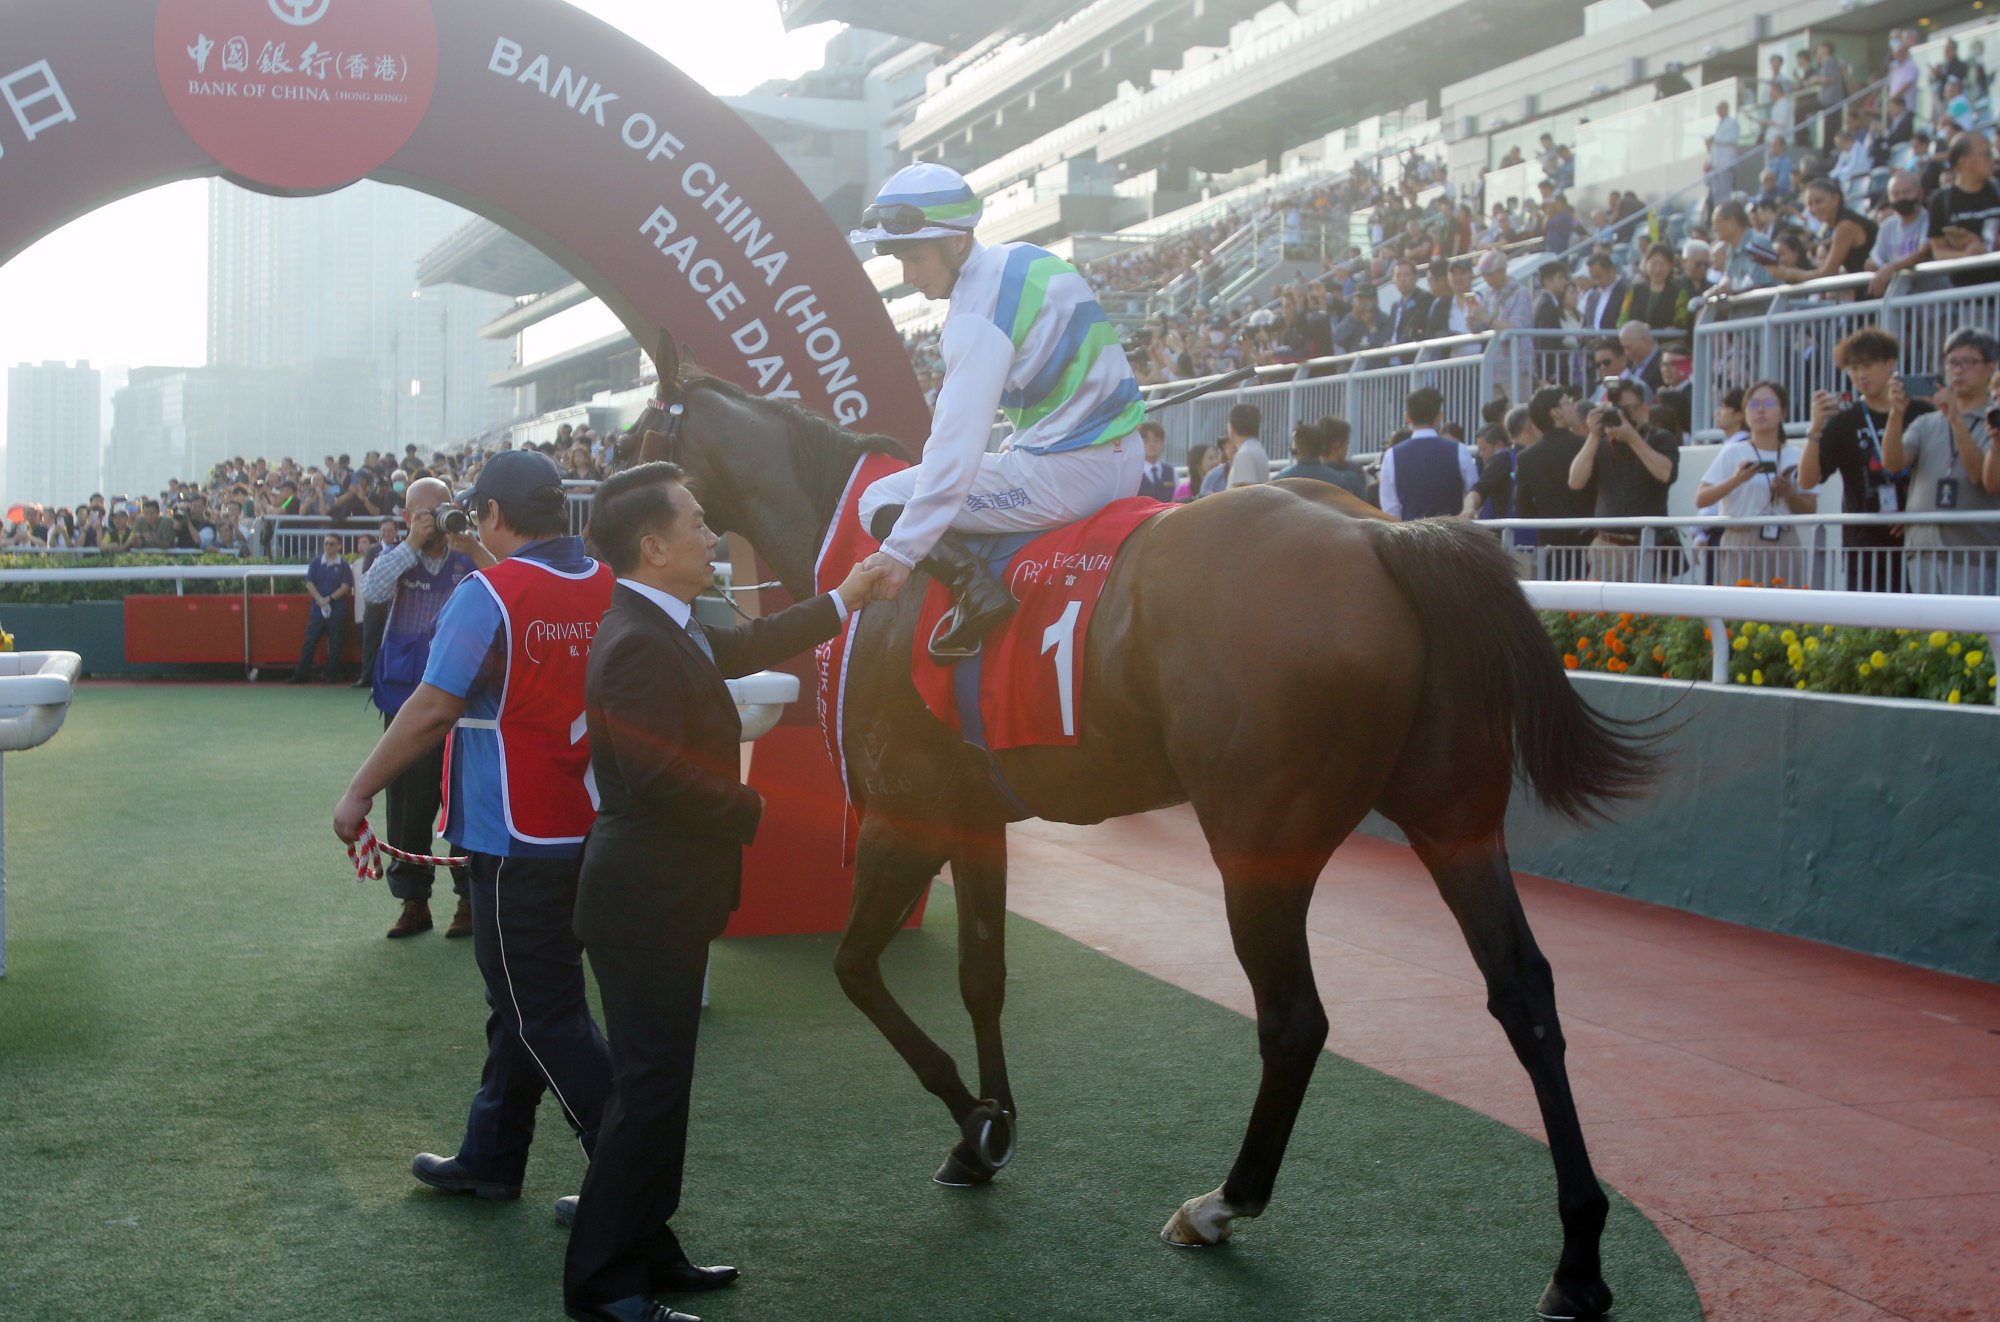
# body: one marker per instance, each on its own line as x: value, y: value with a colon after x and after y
x: 300, y: 284
x: 52, y: 433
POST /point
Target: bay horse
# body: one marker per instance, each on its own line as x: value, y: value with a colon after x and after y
x: 1283, y: 658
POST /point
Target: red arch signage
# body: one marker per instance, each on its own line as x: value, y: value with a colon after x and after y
x: 528, y: 112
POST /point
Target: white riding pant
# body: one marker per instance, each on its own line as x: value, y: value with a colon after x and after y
x: 1016, y: 491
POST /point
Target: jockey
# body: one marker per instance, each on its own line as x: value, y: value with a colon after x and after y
x: 1024, y: 334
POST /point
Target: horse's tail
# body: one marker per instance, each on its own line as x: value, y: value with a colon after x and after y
x: 1462, y: 586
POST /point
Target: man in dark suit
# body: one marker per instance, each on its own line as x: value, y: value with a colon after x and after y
x: 1157, y: 479
x: 1604, y: 301
x: 661, y: 869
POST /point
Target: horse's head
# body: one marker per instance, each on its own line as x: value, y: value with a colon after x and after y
x: 768, y: 471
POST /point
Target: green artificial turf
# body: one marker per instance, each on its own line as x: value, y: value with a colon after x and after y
x: 214, y: 1070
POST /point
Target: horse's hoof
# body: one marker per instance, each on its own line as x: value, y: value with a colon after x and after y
x: 963, y: 1169
x: 990, y: 1131
x: 1565, y: 1301
x: 1200, y: 1223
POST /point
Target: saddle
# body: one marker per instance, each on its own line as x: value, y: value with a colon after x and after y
x: 1025, y: 687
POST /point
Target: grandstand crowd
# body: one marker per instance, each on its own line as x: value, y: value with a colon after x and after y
x: 235, y: 509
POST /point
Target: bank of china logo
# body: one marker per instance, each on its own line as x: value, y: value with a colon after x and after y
x: 300, y: 13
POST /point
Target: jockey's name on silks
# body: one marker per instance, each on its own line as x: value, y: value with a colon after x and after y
x: 1070, y: 386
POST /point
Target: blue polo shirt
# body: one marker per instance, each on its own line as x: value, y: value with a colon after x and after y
x: 469, y: 660
x: 328, y: 579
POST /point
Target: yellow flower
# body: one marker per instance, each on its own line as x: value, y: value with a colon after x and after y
x: 1953, y: 697
x: 1763, y: 628
x: 1826, y: 629
x: 1796, y: 655
x: 1756, y: 677
x: 1954, y: 649
x: 1877, y: 660
x: 1812, y: 644
x: 1974, y: 658
x: 1909, y: 647
x: 1939, y: 638
x: 1788, y: 637
x: 1739, y: 679
x: 1801, y: 684
x: 1739, y: 643
x: 1862, y: 670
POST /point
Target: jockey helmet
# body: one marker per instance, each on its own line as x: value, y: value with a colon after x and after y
x: 921, y: 201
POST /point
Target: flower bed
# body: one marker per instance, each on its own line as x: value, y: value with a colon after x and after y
x: 1883, y: 663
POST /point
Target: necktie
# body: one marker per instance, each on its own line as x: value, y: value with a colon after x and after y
x: 701, y: 638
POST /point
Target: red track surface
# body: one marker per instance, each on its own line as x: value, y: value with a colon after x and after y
x: 1816, y: 1132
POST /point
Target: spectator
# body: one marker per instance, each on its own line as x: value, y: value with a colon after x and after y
x: 1950, y: 458
x: 1725, y: 148
x: 1201, y: 459
x: 1899, y: 243
x: 1604, y: 302
x: 1927, y: 158
x: 1411, y: 312
x: 1642, y: 355
x: 1902, y: 66
x: 1156, y: 479
x: 374, y: 614
x: 1362, y: 327
x: 1334, y: 436
x: 1309, y: 457
x: 1851, y: 235
x: 1426, y: 475
x: 1900, y: 128
x: 1632, y: 464
x: 359, y: 501
x: 1559, y: 229
x: 330, y: 583
x: 1965, y: 218
x: 1248, y: 464
x: 1673, y: 402
x: 1830, y: 84
x: 1663, y: 300
x: 1542, y: 489
x: 1694, y: 265
x: 1756, y: 477
x: 1447, y: 313
x: 1846, y: 439
x: 1216, y: 480
x: 119, y: 536
x: 151, y: 531
x: 1492, y: 496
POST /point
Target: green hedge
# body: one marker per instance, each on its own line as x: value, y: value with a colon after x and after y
x: 1883, y: 663
x: 53, y: 594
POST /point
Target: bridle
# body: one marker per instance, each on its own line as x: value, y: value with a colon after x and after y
x: 676, y: 427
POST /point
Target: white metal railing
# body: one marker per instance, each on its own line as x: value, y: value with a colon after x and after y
x: 1808, y: 551
x: 1867, y: 610
x: 297, y: 537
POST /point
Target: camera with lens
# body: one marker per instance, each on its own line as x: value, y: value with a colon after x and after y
x: 454, y: 521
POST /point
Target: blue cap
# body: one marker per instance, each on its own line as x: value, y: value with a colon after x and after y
x: 514, y: 475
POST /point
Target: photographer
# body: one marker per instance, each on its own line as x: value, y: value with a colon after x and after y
x: 151, y: 531
x: 193, y: 530
x: 1846, y: 438
x: 1949, y: 455
x: 1758, y: 475
x: 1633, y: 465
x: 408, y: 584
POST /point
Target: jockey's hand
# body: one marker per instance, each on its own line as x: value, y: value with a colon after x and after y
x: 892, y: 574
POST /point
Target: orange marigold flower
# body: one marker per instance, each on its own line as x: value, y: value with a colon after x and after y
x: 1745, y: 583
x: 1617, y: 647
x: 1626, y: 619
x: 1659, y: 654
x: 1708, y: 635
x: 1583, y: 642
x: 1569, y: 661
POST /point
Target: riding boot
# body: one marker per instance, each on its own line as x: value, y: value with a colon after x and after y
x: 980, y: 604
x: 979, y: 601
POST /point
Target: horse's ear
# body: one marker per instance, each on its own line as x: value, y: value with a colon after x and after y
x: 667, y: 359
x: 653, y: 447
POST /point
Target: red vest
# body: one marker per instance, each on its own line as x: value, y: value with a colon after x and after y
x: 547, y: 793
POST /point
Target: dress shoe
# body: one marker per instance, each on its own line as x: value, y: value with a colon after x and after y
x: 687, y: 1276
x: 566, y: 1211
x: 637, y: 1308
x: 416, y: 918
x: 445, y: 1173
x: 461, y: 922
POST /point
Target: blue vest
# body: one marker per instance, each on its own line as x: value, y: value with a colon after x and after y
x: 405, y: 651
x: 1428, y: 481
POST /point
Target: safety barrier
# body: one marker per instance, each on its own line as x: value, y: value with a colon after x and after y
x: 1809, y: 551
x: 297, y: 537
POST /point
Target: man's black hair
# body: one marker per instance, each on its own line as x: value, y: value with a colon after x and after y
x: 628, y: 507
x: 1542, y: 406
x: 1246, y: 420
x: 1423, y: 406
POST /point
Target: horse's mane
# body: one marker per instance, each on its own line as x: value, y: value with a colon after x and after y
x: 805, y: 426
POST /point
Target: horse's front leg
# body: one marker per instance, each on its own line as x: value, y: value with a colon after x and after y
x: 892, y: 866
x: 979, y: 875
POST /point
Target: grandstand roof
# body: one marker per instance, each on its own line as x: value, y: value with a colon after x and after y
x: 953, y: 24
x: 481, y: 255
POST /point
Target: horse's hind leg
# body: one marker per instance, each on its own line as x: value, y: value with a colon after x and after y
x: 893, y: 865
x: 1478, y: 885
x: 979, y: 874
x: 1267, y: 923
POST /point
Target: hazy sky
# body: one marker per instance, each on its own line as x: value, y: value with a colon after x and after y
x: 158, y: 316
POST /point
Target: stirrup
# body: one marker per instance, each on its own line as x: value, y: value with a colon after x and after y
x: 946, y: 623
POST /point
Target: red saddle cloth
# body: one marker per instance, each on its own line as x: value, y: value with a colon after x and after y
x: 1031, y: 680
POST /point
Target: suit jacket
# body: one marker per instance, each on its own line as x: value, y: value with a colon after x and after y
x: 663, y: 863
x: 1602, y: 308
x: 1163, y: 489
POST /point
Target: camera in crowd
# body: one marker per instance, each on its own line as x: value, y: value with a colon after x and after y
x: 454, y: 521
